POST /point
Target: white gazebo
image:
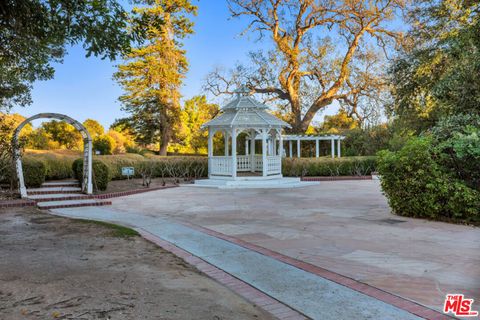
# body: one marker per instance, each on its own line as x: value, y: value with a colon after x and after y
x: 257, y: 162
x: 245, y: 114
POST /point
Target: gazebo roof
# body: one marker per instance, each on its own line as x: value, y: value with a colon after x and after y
x: 244, y: 111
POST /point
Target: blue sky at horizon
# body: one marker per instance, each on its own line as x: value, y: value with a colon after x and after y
x: 83, y: 87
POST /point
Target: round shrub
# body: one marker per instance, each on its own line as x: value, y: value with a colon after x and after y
x: 416, y: 185
x: 100, y: 175
x: 34, y: 172
x: 77, y: 168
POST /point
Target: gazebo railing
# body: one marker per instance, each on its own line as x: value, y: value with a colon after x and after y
x: 243, y: 163
x: 258, y: 163
x: 220, y: 165
x: 274, y: 165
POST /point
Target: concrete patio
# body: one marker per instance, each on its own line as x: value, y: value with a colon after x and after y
x: 342, y: 226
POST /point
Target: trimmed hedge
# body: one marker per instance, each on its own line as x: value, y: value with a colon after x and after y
x: 116, y: 162
x: 312, y: 167
x: 34, y: 172
x: 100, y: 175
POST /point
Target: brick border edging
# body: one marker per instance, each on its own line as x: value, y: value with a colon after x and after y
x: 76, y: 205
x: 25, y: 203
x: 250, y: 293
x: 129, y: 192
x: 336, y: 178
x: 379, y: 294
x: 17, y: 203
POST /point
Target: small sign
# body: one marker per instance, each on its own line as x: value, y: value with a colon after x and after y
x: 128, y: 171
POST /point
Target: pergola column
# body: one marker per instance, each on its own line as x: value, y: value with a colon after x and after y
x: 298, y: 148
x: 264, y: 152
x: 234, y: 152
x: 333, y: 147
x: 317, y: 152
x: 339, y: 153
x: 290, y: 152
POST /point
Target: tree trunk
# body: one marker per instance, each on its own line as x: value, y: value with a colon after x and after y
x: 312, y: 111
x: 164, y: 142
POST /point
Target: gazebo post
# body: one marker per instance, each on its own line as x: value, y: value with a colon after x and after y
x: 298, y: 148
x: 333, y: 147
x: 280, y: 146
x: 317, y: 152
x: 274, y: 144
x: 253, y: 165
x: 339, y: 153
x: 234, y: 152
x: 226, y: 136
x: 264, y: 152
x: 290, y: 152
x: 211, y: 132
x: 246, y: 146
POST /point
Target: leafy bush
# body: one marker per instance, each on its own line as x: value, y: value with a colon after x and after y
x: 34, y: 172
x: 457, y: 141
x: 417, y: 185
x: 100, y: 175
x: 346, y: 166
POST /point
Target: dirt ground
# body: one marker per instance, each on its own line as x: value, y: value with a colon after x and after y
x: 57, y: 268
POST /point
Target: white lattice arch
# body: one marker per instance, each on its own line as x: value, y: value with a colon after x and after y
x: 87, y: 150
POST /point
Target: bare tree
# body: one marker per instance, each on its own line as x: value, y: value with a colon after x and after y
x: 322, y: 52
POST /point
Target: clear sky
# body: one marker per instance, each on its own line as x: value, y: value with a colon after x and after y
x: 83, y: 87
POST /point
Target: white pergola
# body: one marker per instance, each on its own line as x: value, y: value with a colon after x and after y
x: 245, y: 114
x: 334, y: 140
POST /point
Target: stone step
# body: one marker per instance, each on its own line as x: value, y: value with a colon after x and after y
x: 53, y: 190
x: 59, y: 197
x: 61, y: 183
x: 72, y: 203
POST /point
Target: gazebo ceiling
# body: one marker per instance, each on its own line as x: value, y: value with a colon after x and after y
x: 244, y: 111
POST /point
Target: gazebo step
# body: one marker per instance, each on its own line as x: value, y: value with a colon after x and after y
x: 53, y: 190
x: 72, y: 203
x: 241, y: 183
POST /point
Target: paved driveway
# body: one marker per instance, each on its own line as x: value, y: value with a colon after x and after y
x: 343, y: 226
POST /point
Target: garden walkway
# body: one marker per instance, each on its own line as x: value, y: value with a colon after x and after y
x: 311, y: 295
x: 342, y: 226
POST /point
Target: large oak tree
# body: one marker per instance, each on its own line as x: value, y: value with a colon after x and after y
x: 323, y: 51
